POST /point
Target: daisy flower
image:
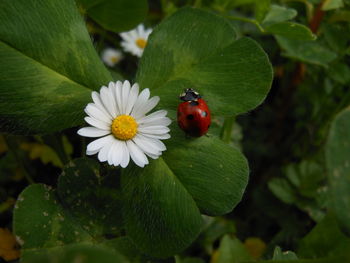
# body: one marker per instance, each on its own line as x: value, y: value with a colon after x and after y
x: 118, y: 116
x: 135, y: 41
x: 111, y: 56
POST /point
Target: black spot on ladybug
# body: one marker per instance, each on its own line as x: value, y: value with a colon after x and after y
x: 178, y: 113
x: 204, y: 114
x: 190, y: 116
x: 208, y: 126
x: 194, y: 103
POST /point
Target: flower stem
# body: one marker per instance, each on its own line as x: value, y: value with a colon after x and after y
x: 226, y: 131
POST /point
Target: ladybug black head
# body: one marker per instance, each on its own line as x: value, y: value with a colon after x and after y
x: 190, y: 95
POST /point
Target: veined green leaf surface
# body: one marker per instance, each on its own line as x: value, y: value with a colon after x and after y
x: 49, y: 66
x: 160, y: 215
x: 214, y: 173
x: 197, y: 49
x: 69, y: 221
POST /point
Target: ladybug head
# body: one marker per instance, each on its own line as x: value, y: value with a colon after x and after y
x: 190, y: 95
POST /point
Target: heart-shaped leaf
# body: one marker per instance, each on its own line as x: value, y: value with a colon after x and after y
x: 214, y: 173
x: 160, y: 215
x: 71, y: 220
x: 197, y: 49
x: 48, y: 66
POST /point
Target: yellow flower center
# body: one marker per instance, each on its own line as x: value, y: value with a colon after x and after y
x: 141, y: 43
x: 124, y: 127
x: 114, y: 59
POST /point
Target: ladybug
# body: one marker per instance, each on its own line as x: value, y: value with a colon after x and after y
x: 193, y: 115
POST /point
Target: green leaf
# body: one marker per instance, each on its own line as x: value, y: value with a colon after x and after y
x: 325, y: 240
x: 231, y: 250
x: 279, y: 14
x: 116, y: 15
x: 332, y: 4
x: 340, y: 72
x: 338, y: 166
x: 337, y: 36
x: 306, y: 51
x: 262, y: 7
x: 80, y: 212
x: 283, y: 256
x: 281, y: 188
x: 160, y: 215
x: 197, y: 49
x: 94, y: 200
x: 214, y: 173
x: 291, y: 30
x: 48, y: 65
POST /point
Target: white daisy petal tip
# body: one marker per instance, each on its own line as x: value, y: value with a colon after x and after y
x: 120, y: 135
x: 135, y: 41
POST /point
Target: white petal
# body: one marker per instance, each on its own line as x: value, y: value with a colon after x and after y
x: 125, y: 94
x: 112, y: 152
x: 134, y: 92
x: 93, y: 111
x: 92, y: 132
x: 133, y: 34
x: 163, y: 121
x: 111, y: 89
x: 136, y: 154
x: 107, y: 98
x: 91, y: 152
x: 154, y: 115
x: 157, y: 136
x: 149, y: 105
x: 145, y: 145
x: 118, y: 96
x: 155, y: 142
x: 154, y: 156
x: 103, y: 154
x: 97, y: 100
x: 97, y: 123
x: 141, y: 101
x: 111, y: 56
x: 125, y: 155
x: 159, y: 145
x: 154, y: 129
x: 118, y: 152
x: 96, y: 145
x: 141, y: 29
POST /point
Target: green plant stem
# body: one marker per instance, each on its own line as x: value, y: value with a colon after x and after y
x: 248, y: 20
x: 226, y: 131
x: 13, y: 146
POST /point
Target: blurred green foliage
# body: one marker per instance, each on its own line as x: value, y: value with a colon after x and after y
x: 295, y: 208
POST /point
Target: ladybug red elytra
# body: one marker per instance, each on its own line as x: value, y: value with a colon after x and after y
x: 193, y: 114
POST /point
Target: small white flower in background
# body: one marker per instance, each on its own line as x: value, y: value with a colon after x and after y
x: 135, y: 41
x: 119, y: 115
x: 111, y: 56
